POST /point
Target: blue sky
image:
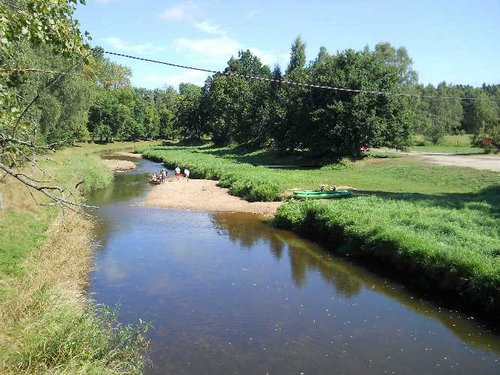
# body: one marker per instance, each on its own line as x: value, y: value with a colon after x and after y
x: 456, y: 41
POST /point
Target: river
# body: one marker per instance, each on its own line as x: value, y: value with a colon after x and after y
x: 226, y: 293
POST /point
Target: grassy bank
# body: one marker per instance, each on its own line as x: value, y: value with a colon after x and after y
x: 438, y: 223
x: 247, y: 176
x: 47, y: 324
x: 454, y: 250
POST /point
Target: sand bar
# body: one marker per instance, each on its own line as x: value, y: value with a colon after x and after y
x: 119, y: 165
x: 203, y: 195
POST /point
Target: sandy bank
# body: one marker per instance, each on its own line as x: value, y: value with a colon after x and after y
x: 203, y: 195
x: 119, y: 165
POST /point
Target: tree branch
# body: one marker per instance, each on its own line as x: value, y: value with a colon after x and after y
x: 46, y: 190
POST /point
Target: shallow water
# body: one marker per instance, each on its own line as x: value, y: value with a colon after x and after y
x: 228, y: 294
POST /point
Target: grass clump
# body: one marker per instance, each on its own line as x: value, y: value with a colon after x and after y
x: 87, y: 171
x: 452, y: 249
x: 71, y: 340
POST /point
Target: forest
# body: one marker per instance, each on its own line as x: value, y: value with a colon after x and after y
x: 232, y: 109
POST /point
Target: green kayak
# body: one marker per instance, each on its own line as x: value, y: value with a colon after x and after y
x: 318, y: 194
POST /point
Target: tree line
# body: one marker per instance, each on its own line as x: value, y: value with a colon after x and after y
x: 231, y: 109
x: 55, y: 89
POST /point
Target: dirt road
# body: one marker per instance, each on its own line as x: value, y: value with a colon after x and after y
x: 484, y: 162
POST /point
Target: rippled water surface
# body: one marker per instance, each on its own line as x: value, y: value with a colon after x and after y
x: 227, y: 294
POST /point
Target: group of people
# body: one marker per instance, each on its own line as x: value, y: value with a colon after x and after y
x: 161, y: 176
x: 158, y: 177
x: 178, y: 173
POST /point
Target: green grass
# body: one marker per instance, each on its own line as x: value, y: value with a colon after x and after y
x: 459, y: 150
x: 66, y: 340
x: 443, y: 221
x: 47, y: 325
x: 246, y: 176
x: 451, y: 144
x: 20, y: 233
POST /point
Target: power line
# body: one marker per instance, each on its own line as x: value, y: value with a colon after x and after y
x: 288, y: 82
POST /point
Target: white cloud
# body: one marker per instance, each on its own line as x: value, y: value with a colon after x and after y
x: 214, y: 50
x: 217, y: 51
x: 187, y: 76
x: 267, y: 58
x: 180, y: 12
x: 210, y: 28
x: 119, y: 45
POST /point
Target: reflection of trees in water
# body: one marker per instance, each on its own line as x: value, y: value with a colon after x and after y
x: 305, y: 256
x: 348, y: 279
x: 126, y: 186
x: 241, y: 228
x: 246, y: 230
x: 276, y: 246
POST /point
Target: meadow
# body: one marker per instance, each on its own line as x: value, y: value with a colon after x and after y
x: 441, y: 223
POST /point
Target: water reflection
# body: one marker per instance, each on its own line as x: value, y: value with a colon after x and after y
x: 246, y: 230
x: 348, y: 279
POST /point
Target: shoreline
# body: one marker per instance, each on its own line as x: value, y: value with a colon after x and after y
x: 203, y: 195
x: 47, y: 315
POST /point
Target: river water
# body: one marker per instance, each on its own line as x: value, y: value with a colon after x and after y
x: 228, y: 294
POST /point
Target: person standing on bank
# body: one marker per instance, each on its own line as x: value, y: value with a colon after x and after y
x: 186, y: 174
x: 177, y: 173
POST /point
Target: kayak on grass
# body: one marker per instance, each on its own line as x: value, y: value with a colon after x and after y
x: 321, y: 194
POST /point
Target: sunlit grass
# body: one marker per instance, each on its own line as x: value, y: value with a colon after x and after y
x: 47, y: 324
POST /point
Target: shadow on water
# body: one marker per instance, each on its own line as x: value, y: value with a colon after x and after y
x: 227, y: 293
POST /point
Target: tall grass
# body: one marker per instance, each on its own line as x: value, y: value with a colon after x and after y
x: 47, y: 323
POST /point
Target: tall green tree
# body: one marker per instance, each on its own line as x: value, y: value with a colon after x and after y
x: 188, y: 119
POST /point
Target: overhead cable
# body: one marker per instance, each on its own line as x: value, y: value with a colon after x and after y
x: 288, y: 82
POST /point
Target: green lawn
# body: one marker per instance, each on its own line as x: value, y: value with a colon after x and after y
x: 450, y: 144
x: 246, y: 175
x: 441, y: 220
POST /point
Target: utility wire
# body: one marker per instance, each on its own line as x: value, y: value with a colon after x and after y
x: 288, y: 82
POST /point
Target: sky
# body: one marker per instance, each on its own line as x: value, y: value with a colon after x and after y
x: 457, y: 41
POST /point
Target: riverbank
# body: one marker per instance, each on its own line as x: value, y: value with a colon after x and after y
x: 47, y: 323
x: 439, y: 224
x: 203, y: 195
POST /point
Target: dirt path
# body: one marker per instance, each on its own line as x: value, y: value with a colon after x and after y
x: 484, y: 162
x: 203, y: 195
